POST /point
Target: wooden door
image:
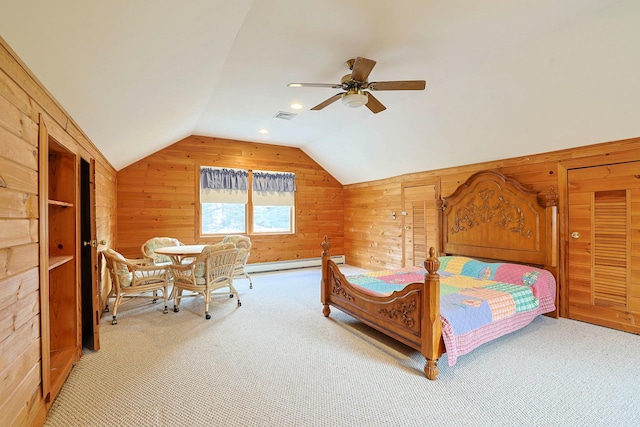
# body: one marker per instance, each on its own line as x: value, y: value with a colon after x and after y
x: 419, y: 223
x: 89, y: 258
x: 604, y: 245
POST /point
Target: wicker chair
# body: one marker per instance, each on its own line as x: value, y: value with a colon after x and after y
x: 135, y: 278
x: 209, y: 271
x: 243, y: 243
x: 149, y: 247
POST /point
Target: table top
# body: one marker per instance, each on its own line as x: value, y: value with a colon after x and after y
x: 184, y: 250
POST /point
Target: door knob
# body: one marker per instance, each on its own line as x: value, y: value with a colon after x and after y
x: 94, y: 243
x: 575, y: 235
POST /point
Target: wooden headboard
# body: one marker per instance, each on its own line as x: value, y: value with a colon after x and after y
x: 494, y: 217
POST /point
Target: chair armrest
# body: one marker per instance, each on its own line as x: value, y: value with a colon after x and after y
x: 146, y: 267
x: 139, y: 261
x: 181, y: 267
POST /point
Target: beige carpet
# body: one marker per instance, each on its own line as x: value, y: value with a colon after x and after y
x: 276, y: 361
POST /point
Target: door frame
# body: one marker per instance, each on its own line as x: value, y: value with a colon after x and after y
x: 406, y: 184
x: 564, y: 166
x: 90, y: 330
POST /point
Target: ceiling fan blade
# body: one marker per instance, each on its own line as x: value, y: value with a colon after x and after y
x: 361, y: 69
x: 373, y: 104
x: 331, y: 100
x: 398, y: 85
x: 331, y: 85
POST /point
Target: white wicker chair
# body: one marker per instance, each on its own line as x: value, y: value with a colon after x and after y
x: 135, y: 278
x: 243, y: 243
x: 209, y: 271
x: 149, y: 247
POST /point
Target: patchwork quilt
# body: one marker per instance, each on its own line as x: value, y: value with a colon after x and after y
x: 477, y: 298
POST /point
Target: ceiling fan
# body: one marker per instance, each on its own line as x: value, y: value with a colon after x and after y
x: 357, y: 89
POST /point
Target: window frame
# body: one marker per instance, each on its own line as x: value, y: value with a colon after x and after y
x: 249, y: 216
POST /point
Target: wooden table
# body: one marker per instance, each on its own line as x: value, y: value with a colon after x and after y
x: 178, y: 253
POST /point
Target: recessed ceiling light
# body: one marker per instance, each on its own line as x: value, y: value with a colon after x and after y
x: 296, y: 106
x: 295, y: 85
x: 263, y: 131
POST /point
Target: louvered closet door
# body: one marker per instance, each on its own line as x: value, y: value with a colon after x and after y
x: 420, y: 225
x: 604, y: 245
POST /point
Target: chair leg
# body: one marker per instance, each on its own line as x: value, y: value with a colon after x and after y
x: 106, y: 306
x: 166, y: 299
x: 116, y: 303
x: 177, y: 294
x: 232, y: 289
x: 207, y: 299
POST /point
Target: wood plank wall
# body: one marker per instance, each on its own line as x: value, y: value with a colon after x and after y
x: 157, y: 197
x: 22, y: 99
x: 373, y: 239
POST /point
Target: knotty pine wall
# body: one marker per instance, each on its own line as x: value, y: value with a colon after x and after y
x: 22, y: 100
x: 373, y: 239
x: 157, y: 197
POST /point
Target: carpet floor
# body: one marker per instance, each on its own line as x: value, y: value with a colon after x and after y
x: 277, y: 361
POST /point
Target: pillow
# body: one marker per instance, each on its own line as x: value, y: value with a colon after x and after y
x: 518, y: 274
x: 199, y: 270
x: 468, y: 267
x: 123, y: 271
x: 530, y: 278
x: 453, y: 264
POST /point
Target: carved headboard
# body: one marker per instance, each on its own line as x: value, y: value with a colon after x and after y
x: 494, y: 217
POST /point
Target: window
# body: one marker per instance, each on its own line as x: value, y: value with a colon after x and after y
x: 235, y: 201
x: 273, y: 202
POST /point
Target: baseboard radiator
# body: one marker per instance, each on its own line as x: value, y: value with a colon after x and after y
x: 260, y: 267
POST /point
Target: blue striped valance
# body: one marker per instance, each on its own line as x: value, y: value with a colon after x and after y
x: 279, y: 182
x: 224, y: 179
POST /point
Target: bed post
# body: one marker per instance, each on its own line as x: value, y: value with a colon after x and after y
x: 431, y: 324
x: 324, y: 285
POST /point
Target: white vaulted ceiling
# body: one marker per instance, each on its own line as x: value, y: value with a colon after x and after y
x: 504, y: 78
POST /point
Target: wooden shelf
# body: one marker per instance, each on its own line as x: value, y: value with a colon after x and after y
x: 61, y: 362
x: 60, y: 309
x: 57, y: 261
x: 60, y: 203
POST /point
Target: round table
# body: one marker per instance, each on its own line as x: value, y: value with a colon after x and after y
x: 178, y: 253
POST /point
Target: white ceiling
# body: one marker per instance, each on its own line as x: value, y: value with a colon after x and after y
x: 504, y: 78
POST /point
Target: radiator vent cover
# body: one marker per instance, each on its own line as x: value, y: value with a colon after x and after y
x: 284, y: 115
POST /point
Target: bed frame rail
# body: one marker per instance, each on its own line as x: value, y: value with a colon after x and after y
x: 411, y: 316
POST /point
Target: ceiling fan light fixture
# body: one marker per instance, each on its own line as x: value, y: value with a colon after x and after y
x: 354, y: 100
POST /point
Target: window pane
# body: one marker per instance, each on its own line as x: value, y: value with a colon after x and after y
x: 219, y: 218
x: 271, y: 219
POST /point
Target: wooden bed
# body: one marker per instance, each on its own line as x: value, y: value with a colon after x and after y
x: 489, y: 217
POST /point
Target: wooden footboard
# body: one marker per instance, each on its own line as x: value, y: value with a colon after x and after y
x: 411, y: 316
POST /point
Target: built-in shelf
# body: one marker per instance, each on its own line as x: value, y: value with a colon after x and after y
x: 61, y: 363
x: 60, y: 307
x: 57, y: 261
x: 60, y: 203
